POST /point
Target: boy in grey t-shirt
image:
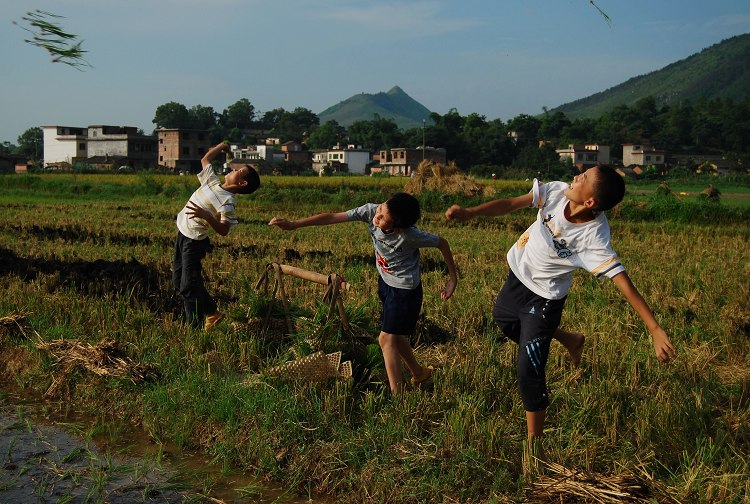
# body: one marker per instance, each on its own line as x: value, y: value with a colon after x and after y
x: 396, y: 242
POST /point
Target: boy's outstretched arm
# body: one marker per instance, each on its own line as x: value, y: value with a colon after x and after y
x: 445, y: 249
x: 321, y: 219
x: 490, y: 209
x: 662, y: 345
x: 213, y: 152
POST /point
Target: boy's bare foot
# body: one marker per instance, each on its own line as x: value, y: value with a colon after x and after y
x: 426, y: 375
x: 573, y: 343
x: 576, y: 351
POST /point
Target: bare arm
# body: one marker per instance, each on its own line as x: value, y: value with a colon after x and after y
x: 213, y: 152
x: 196, y: 212
x: 490, y: 209
x: 321, y: 219
x: 662, y: 345
x: 450, y: 287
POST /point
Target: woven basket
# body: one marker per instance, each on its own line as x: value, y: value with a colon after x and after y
x: 315, y: 367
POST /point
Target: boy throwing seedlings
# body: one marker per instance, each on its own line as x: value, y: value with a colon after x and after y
x: 210, y: 207
x: 397, y: 243
x: 570, y: 232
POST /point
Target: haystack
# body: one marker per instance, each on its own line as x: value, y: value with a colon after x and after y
x: 448, y: 179
x: 102, y: 359
x: 565, y: 485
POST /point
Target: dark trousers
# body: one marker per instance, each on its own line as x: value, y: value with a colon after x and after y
x: 187, y: 276
x: 529, y: 320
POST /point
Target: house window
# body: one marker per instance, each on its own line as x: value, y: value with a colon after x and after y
x: 200, y: 136
x: 648, y: 158
x: 186, y: 151
x: 82, y: 146
x: 185, y: 135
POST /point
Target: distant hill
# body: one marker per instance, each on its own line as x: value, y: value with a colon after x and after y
x: 405, y: 111
x: 720, y: 71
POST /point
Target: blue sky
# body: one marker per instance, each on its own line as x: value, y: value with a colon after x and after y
x: 498, y: 58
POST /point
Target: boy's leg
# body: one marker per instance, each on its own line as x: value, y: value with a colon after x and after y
x: 399, y: 318
x: 396, y: 348
x: 539, y: 321
x: 195, y: 298
x: 573, y: 342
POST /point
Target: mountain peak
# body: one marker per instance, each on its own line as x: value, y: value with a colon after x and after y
x: 394, y: 104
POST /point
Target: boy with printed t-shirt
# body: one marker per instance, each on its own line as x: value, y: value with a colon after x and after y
x: 210, y: 207
x: 397, y: 243
x: 570, y: 232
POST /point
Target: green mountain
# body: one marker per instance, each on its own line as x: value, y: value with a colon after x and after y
x: 405, y: 111
x: 719, y: 71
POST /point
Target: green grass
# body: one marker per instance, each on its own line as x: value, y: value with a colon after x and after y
x: 685, y: 423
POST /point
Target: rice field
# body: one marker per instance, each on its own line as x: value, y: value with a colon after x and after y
x: 86, y: 259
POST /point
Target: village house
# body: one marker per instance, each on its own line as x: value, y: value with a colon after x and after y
x: 642, y: 155
x: 112, y: 147
x: 64, y: 145
x: 293, y: 153
x: 403, y: 161
x: 585, y: 155
x: 181, y: 150
x: 350, y: 159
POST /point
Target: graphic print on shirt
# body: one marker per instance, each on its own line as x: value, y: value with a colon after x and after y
x: 382, y: 263
x: 561, y: 246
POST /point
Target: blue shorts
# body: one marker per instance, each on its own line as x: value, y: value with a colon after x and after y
x: 401, y: 308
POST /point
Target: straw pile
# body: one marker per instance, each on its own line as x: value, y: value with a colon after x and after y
x: 102, y: 359
x: 316, y: 367
x: 562, y: 485
x: 13, y: 324
x: 448, y: 179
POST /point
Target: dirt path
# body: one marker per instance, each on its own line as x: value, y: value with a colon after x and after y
x: 42, y: 463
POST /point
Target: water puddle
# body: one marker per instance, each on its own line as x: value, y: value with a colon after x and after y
x: 49, y: 453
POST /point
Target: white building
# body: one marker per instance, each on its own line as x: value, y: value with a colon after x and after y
x: 642, y: 155
x: 64, y: 144
x: 351, y: 159
x: 585, y: 155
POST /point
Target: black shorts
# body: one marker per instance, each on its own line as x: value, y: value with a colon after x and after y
x: 401, y: 308
x: 530, y: 320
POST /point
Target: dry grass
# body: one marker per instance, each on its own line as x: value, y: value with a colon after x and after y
x: 432, y: 176
x: 563, y: 485
x: 102, y: 359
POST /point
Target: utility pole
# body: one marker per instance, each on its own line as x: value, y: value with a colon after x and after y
x: 424, y: 123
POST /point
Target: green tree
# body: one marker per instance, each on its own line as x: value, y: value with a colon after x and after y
x: 297, y: 124
x: 378, y: 133
x: 31, y: 143
x: 202, y: 117
x: 172, y: 115
x: 240, y: 114
x: 326, y: 135
x: 271, y: 119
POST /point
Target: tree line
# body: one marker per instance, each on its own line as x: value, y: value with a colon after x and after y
x: 476, y: 144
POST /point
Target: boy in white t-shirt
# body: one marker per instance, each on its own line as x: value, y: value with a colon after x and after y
x: 570, y: 232
x: 210, y: 207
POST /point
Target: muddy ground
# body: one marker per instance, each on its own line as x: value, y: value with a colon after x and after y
x: 44, y: 463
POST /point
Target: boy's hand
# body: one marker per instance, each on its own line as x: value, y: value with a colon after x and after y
x: 196, y: 212
x: 664, y: 349
x: 457, y: 212
x: 447, y: 292
x: 284, y: 224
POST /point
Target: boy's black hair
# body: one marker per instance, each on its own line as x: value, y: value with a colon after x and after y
x: 609, y: 188
x: 253, y: 181
x: 404, y: 209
